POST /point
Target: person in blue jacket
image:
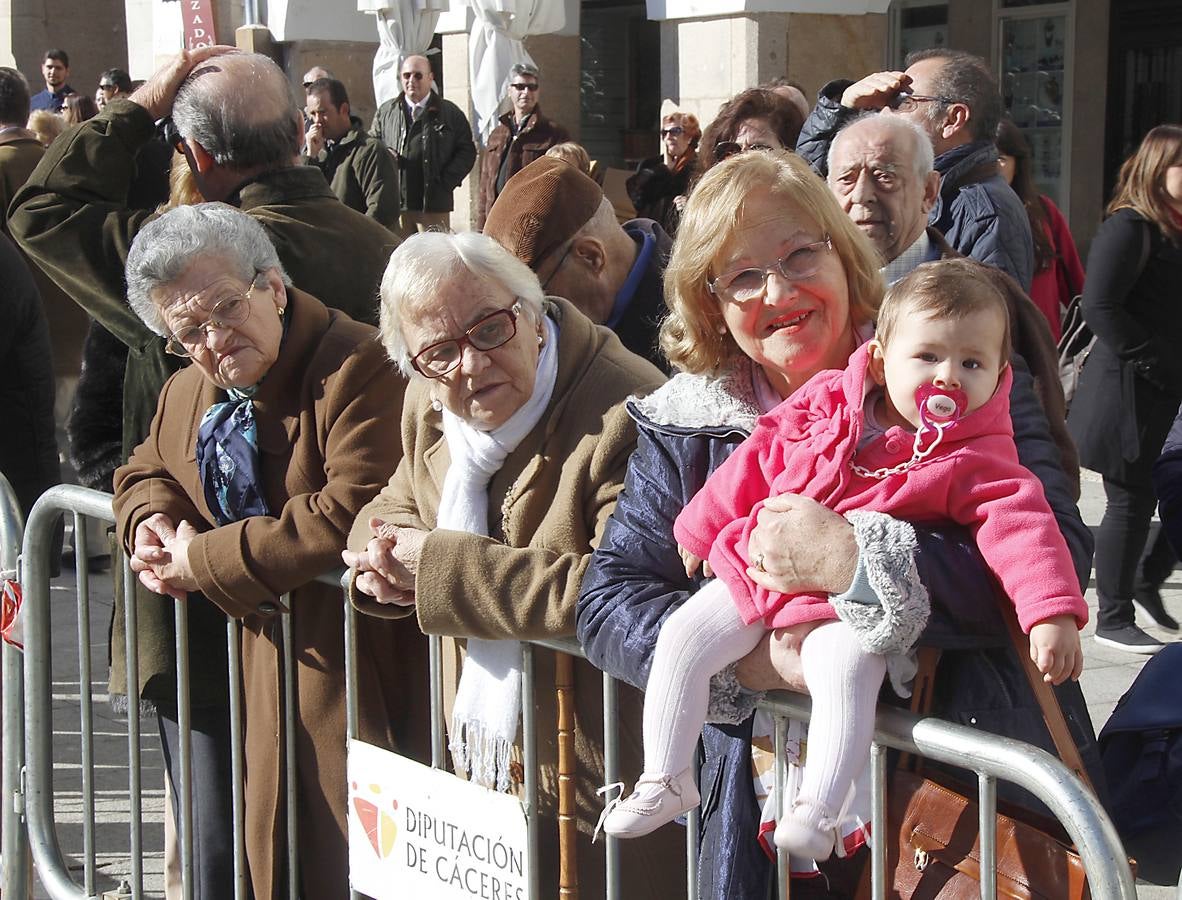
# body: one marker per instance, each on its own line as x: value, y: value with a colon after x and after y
x: 953, y: 97
x: 758, y: 213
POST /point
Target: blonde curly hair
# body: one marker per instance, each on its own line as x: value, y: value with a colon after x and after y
x: 694, y: 335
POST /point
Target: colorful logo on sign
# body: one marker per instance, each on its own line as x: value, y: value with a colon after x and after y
x: 376, y: 817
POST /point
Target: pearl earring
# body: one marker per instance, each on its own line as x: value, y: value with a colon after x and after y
x: 541, y: 340
x: 437, y: 406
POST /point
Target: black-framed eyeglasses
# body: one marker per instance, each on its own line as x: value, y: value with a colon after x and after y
x: 675, y: 131
x: 561, y: 260
x: 107, y: 87
x: 229, y: 312
x: 522, y: 86
x: 494, y: 330
x: 415, y: 76
x: 907, y: 102
x: 743, y: 285
x: 727, y: 149
x: 169, y: 133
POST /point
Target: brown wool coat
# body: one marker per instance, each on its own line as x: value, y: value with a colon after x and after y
x: 548, y: 506
x: 327, y: 416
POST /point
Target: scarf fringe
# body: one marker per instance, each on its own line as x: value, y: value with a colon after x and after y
x: 480, y: 755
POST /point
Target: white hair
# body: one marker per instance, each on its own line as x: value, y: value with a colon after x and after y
x: 922, y: 155
x: 166, y: 247
x: 424, y: 262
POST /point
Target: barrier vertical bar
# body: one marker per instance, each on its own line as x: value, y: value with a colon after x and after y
x: 435, y: 673
x: 237, y: 766
x: 611, y: 775
x: 529, y: 742
x: 692, y: 829
x: 180, y: 612
x: 987, y: 824
x: 290, y: 701
x: 878, y: 821
x: 85, y: 707
x: 781, y: 738
x: 15, y: 844
x: 352, y: 722
x: 38, y: 775
x: 134, y: 786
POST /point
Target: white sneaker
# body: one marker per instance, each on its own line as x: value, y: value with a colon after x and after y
x: 658, y: 799
x: 808, y: 830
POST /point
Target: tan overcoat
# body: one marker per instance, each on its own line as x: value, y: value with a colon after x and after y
x: 547, y: 508
x: 327, y: 415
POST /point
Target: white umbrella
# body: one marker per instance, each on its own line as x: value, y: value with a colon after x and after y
x: 495, y: 45
x: 405, y: 28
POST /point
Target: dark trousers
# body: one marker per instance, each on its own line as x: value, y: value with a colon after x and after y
x: 1158, y: 562
x: 1120, y: 542
x: 213, y: 814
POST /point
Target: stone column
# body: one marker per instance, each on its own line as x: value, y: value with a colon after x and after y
x: 559, y: 58
x: 94, y: 35
x: 457, y: 88
x: 706, y: 60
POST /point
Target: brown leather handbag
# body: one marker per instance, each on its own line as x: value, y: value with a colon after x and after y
x: 933, y: 848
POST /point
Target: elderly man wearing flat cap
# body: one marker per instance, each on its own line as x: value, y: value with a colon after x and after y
x: 557, y: 221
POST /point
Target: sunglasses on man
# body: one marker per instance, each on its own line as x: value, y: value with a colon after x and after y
x: 522, y: 86
x: 415, y: 76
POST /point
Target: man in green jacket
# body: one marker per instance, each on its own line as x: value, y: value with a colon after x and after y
x: 243, y: 147
x: 355, y: 164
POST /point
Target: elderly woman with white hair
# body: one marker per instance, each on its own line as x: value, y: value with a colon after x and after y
x: 261, y: 453
x: 515, y: 445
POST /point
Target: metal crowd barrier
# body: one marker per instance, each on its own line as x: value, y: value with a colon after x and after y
x: 14, y: 846
x: 991, y: 757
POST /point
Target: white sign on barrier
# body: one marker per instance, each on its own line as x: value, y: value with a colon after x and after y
x: 420, y: 832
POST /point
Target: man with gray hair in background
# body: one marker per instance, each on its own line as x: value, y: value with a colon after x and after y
x: 243, y: 148
x: 522, y: 135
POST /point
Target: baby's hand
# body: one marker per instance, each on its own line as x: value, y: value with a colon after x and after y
x: 692, y: 563
x: 1055, y: 649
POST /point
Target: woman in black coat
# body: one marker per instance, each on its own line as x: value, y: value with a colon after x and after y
x: 1131, y: 387
x: 659, y: 185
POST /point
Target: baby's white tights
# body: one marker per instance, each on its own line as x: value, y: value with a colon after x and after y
x: 701, y: 637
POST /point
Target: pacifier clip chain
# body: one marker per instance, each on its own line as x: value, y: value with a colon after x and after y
x: 939, y: 409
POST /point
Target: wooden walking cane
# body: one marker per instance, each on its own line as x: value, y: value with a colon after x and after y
x: 568, y: 818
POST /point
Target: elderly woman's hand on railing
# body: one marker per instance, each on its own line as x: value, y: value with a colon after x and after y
x: 161, y: 556
x: 386, y: 568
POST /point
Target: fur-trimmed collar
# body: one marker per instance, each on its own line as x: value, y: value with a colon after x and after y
x: 725, y: 401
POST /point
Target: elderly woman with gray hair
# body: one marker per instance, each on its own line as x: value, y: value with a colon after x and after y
x: 515, y: 446
x: 262, y: 451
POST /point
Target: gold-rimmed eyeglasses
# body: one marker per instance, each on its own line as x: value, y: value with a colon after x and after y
x: 229, y: 312
x: 494, y: 330
x: 743, y: 285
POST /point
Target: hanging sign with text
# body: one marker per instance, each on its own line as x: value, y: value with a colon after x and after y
x: 420, y: 832
x: 198, y: 19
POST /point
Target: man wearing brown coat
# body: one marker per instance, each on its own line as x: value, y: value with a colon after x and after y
x: 522, y: 136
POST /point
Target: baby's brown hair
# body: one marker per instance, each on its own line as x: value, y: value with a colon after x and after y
x: 947, y: 288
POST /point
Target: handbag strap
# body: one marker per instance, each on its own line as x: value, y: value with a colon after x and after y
x: 1052, y: 712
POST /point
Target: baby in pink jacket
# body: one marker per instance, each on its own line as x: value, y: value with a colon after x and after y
x: 917, y: 426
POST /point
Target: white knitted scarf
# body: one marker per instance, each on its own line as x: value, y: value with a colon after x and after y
x: 488, y: 700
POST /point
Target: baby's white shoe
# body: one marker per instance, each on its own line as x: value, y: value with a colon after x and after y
x: 658, y: 799
x: 807, y: 830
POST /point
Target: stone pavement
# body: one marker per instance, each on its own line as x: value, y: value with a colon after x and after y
x: 1107, y: 675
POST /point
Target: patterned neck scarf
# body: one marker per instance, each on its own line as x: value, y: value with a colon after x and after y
x: 228, y: 458
x: 228, y: 454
